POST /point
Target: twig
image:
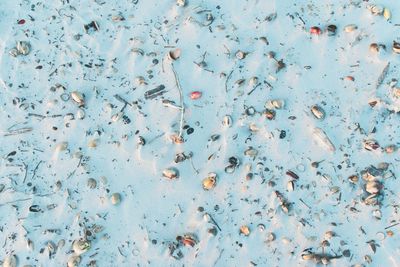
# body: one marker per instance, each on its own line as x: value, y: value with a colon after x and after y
x: 180, y: 100
x: 34, y: 171
x: 382, y: 76
x: 26, y: 172
x: 18, y: 131
x: 305, y: 204
x: 390, y: 226
x: 252, y: 90
x: 18, y: 200
x: 226, y: 81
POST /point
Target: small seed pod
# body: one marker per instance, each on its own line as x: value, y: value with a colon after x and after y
x: 171, y: 173
x: 210, y: 181
x: 350, y: 28
x: 115, y: 198
x: 174, y: 54
x: 245, y: 230
x: 318, y: 112
x: 78, y: 98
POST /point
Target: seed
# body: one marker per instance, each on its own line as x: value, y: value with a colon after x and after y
x: 74, y: 261
x: 350, y: 28
x: 210, y: 181
x: 292, y: 174
x: 251, y: 152
x: 308, y: 256
x: 187, y: 240
x: 390, y: 233
x: 275, y: 103
x: 269, y: 114
x: 390, y: 149
x: 91, y: 183
x: 80, y: 114
x: 10, y: 261
x: 253, y: 81
x: 171, y: 173
x: 115, y: 198
x: 61, y: 146
x: 318, y: 112
x: 271, y: 237
x: 290, y: 186
x: 174, y: 54
x: 245, y: 230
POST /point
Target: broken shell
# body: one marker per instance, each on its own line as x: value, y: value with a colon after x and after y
x: 251, y: 152
x: 271, y: 237
x: 171, y: 173
x: 240, y: 54
x: 290, y: 186
x: 140, y: 80
x: 387, y: 14
x: 331, y: 30
x: 396, y: 47
x: 371, y: 144
x: 353, y: 178
x: 174, y: 54
x: 253, y: 81
x: 375, y: 10
x: 329, y: 234
x: 269, y: 114
x: 181, y: 2
x: 350, y: 28
x: 245, y: 230
x: 61, y: 146
x: 91, y: 183
x: 74, y: 261
x: 78, y: 98
x: 374, y: 48
x: 80, y: 246
x: 210, y: 181
x: 92, y: 143
x: 275, y: 103
x: 10, y: 261
x: 80, y: 114
x: 23, y: 48
x: 318, y: 112
x: 13, y: 52
x: 187, y: 240
x: 115, y: 198
x: 323, y: 139
x: 373, y: 187
x: 227, y: 121
x: 372, y: 200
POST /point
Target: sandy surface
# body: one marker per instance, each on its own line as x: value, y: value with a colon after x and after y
x: 51, y: 145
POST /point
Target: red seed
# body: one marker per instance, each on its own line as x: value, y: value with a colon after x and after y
x: 315, y: 30
x: 350, y: 78
x: 195, y: 95
x: 21, y: 21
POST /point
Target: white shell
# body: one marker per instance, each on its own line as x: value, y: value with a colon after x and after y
x: 23, y: 48
x: 10, y: 261
x: 290, y: 186
x: 80, y: 246
x: 171, y: 173
x: 181, y: 2
x: 115, y: 198
x: 376, y: 10
x: 74, y: 261
x: 80, y: 114
x: 323, y: 139
x: 78, y: 98
x: 350, y: 28
x: 174, y: 54
x: 92, y: 143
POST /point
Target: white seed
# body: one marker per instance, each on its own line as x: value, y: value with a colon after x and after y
x: 117, y: 116
x: 13, y: 52
x: 10, y: 261
x: 78, y: 98
x: 290, y: 186
x: 115, y: 198
x: 171, y: 173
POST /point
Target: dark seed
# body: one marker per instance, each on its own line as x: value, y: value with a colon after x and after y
x: 34, y: 208
x: 190, y: 130
x: 282, y: 134
x: 331, y: 29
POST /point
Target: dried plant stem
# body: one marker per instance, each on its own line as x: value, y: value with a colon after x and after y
x: 180, y: 100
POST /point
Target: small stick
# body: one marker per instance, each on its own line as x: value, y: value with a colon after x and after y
x: 18, y: 131
x: 226, y: 81
x: 254, y: 88
x: 390, y: 226
x: 180, y: 99
x: 213, y: 221
x: 18, y: 200
x: 305, y: 203
x: 26, y: 172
